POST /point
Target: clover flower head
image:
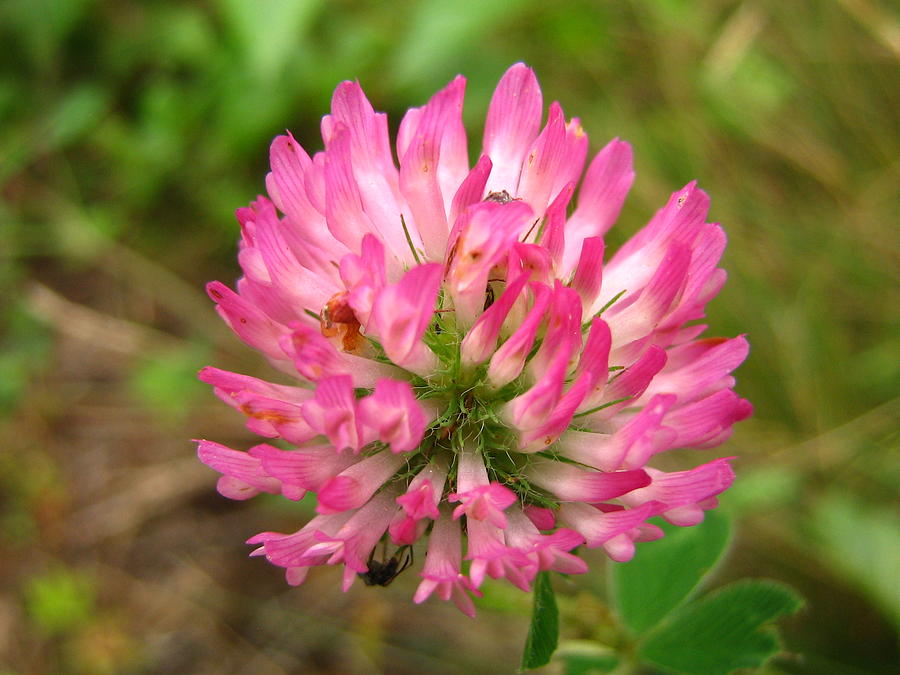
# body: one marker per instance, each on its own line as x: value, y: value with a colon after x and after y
x: 467, y: 369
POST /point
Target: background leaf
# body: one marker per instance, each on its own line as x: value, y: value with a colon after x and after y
x: 865, y: 545
x: 59, y: 601
x: 722, y: 632
x: 544, y: 631
x: 665, y: 572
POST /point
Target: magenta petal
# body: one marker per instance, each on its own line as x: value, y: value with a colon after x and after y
x: 571, y: 483
x: 394, y: 414
x: 401, y: 314
x: 332, y: 412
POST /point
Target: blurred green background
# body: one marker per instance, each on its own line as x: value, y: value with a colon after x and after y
x: 129, y: 133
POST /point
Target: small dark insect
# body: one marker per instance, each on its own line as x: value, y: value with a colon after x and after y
x: 488, y: 297
x: 502, y: 197
x: 383, y: 572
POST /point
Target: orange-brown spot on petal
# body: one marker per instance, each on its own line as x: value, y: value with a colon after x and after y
x: 339, y: 321
x: 265, y: 415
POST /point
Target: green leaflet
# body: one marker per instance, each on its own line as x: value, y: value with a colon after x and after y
x: 723, y: 631
x: 664, y: 573
x: 544, y: 631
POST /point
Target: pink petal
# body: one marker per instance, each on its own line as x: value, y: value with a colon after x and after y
x: 589, y: 272
x: 421, y: 165
x: 638, y: 319
x: 571, y: 483
x: 513, y: 120
x: 606, y: 184
x: 394, y: 414
x: 355, y: 485
x: 248, y: 322
x: 529, y: 410
x: 507, y: 362
x: 490, y: 229
x: 544, y: 161
x: 629, y: 384
x: 309, y: 468
x: 332, y: 412
x: 683, y: 488
x: 481, y: 340
x: 243, y: 475
x: 598, y: 528
x: 470, y: 191
x: 553, y: 238
x: 401, y: 314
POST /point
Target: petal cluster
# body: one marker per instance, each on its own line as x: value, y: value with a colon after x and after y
x: 465, y: 366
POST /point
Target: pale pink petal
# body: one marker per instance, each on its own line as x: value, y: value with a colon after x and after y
x: 421, y: 166
x: 441, y: 572
x: 606, y: 184
x: 513, y: 120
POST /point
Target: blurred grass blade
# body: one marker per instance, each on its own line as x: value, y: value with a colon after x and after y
x: 582, y: 657
x: 864, y: 544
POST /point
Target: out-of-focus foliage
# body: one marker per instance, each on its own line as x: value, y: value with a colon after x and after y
x: 131, y: 130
